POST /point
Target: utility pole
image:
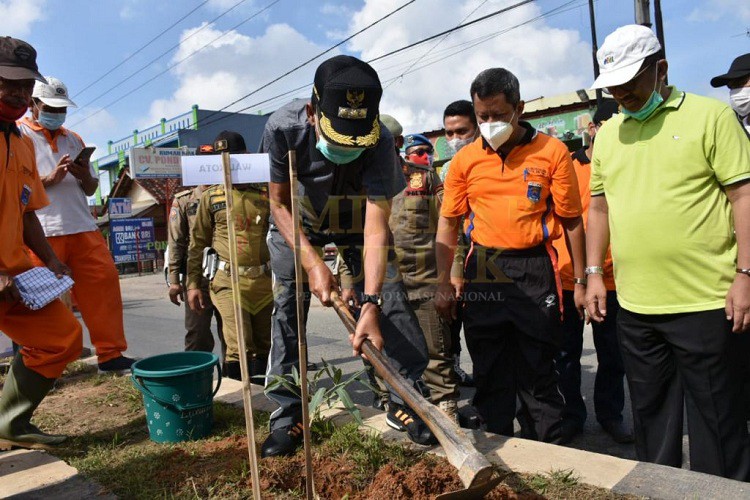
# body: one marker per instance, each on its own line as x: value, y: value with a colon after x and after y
x: 594, y: 48
x: 643, y: 12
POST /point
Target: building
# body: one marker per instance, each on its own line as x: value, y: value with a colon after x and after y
x: 153, y: 197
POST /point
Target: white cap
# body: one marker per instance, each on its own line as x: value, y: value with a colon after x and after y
x: 622, y: 53
x: 53, y: 93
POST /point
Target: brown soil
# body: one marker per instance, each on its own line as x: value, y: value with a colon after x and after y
x: 96, y: 411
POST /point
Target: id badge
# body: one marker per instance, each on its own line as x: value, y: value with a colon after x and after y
x: 25, y: 195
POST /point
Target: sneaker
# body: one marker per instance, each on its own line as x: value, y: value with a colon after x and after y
x: 404, y: 419
x: 464, y: 379
x: 450, y: 408
x: 120, y: 365
x: 282, y: 442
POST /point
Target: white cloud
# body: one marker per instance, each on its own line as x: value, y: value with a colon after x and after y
x: 233, y: 66
x: 21, y: 13
x: 546, y: 60
x: 96, y: 130
x: 713, y: 10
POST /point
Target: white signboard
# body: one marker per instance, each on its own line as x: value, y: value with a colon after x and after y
x: 156, y: 163
x: 207, y: 169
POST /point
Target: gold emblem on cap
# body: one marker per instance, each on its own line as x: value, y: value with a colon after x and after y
x: 365, y: 141
x: 355, y: 98
x: 221, y: 145
x: 352, y: 113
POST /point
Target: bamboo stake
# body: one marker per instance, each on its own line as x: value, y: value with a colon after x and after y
x: 237, y: 301
x: 301, y: 329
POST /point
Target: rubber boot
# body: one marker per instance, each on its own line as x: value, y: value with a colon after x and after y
x: 232, y: 370
x: 24, y: 389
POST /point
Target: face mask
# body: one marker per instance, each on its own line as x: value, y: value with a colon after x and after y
x: 423, y: 159
x: 10, y: 113
x: 337, y: 154
x: 456, y: 144
x: 647, y: 109
x: 739, y: 99
x: 496, y: 133
x: 51, y: 121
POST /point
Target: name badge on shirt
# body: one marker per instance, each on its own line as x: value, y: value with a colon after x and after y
x: 25, y: 195
x: 534, y: 191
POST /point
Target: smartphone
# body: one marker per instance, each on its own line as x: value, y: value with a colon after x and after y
x: 85, y: 154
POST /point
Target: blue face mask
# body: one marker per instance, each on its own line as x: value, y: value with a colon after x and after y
x: 51, y: 121
x: 337, y: 154
x: 647, y: 109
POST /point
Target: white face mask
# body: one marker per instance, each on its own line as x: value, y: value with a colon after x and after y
x: 496, y: 133
x: 739, y: 99
x: 456, y: 144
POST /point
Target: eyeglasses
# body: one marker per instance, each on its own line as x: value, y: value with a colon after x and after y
x: 421, y: 152
x: 627, y: 86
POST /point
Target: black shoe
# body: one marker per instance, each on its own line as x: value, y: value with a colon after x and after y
x: 232, y: 370
x: 403, y: 418
x: 568, y: 431
x: 119, y: 365
x: 282, y: 442
x: 380, y: 402
x: 616, y: 429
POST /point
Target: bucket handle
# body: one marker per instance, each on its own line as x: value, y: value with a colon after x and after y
x: 174, y: 405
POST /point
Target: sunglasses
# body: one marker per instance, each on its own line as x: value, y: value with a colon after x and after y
x: 421, y: 152
x: 627, y: 86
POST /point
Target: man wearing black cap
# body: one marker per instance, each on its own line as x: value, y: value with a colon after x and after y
x: 210, y: 230
x: 737, y: 79
x: 347, y: 176
x: 51, y: 336
x: 198, y: 336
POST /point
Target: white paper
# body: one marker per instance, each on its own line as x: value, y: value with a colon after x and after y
x: 207, y: 169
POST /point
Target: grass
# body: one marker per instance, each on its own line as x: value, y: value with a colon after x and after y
x: 118, y: 454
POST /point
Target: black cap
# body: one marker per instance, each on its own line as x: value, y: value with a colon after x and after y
x: 606, y: 109
x: 229, y: 141
x: 18, y: 60
x: 740, y: 67
x: 346, y: 96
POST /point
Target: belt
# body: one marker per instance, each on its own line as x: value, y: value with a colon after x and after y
x: 251, y: 272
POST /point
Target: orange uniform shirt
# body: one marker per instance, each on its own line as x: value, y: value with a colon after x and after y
x: 510, y: 203
x: 582, y: 166
x: 21, y: 191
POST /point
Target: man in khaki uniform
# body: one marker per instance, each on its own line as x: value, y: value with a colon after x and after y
x: 181, y: 220
x: 251, y: 209
x: 413, y: 222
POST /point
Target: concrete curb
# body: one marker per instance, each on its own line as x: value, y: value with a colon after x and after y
x: 532, y: 457
x: 27, y: 474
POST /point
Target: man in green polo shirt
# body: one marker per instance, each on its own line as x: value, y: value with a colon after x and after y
x: 670, y: 192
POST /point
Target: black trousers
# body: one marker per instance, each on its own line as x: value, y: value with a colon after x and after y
x: 609, y: 384
x: 690, y: 360
x: 512, y: 328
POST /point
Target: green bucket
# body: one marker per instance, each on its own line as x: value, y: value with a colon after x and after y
x: 178, y: 394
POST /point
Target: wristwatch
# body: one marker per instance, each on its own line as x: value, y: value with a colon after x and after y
x: 374, y: 299
x: 593, y: 270
x: 579, y: 281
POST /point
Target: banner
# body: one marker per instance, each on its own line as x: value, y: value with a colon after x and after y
x: 132, y: 240
x: 207, y: 169
x: 120, y: 208
x: 157, y: 163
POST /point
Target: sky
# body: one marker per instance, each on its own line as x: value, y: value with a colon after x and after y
x: 125, y: 74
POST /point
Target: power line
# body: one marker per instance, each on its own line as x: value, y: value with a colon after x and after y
x: 266, y: 85
x: 176, y: 64
x: 482, y: 39
x: 437, y: 43
x: 136, y: 72
x: 108, y: 72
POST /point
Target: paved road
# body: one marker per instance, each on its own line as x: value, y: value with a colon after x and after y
x: 154, y: 326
